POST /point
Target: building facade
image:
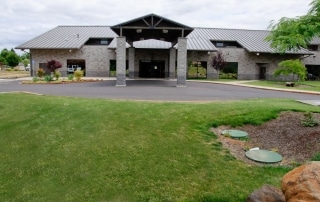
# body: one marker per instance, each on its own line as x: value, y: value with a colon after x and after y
x: 151, y: 50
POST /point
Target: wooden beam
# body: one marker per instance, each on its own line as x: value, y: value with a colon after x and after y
x: 158, y: 22
x: 144, y: 20
x: 158, y: 28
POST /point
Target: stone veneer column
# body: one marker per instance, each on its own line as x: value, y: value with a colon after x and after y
x: 121, y: 61
x: 172, y: 63
x: 182, y: 62
x: 131, y: 62
x: 211, y: 72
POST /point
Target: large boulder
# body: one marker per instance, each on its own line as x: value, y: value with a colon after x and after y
x: 302, y: 183
x: 267, y: 193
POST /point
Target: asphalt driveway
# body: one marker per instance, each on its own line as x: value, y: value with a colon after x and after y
x: 162, y: 90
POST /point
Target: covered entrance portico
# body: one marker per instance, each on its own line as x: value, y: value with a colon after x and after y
x: 152, y: 27
x: 152, y: 69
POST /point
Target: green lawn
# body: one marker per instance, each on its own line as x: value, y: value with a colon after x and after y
x: 74, y: 149
x: 305, y: 85
x: 197, y: 72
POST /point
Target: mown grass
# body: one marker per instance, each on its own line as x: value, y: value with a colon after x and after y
x: 74, y: 149
x: 304, y: 85
x: 197, y: 72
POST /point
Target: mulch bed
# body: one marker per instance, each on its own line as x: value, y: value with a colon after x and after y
x: 62, y: 81
x: 285, y: 135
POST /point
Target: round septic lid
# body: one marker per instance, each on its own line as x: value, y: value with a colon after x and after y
x: 264, y: 156
x: 235, y: 133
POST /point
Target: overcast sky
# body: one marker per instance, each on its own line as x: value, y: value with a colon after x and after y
x: 21, y: 20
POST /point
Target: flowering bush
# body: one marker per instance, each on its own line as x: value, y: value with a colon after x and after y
x: 40, y: 72
x: 57, y: 74
x: 78, y: 74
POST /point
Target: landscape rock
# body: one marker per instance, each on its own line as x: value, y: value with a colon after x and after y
x: 267, y: 193
x: 302, y: 183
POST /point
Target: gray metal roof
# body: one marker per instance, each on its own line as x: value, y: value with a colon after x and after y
x: 199, y: 43
x: 67, y: 37
x: 315, y: 41
x: 251, y: 40
x: 74, y: 37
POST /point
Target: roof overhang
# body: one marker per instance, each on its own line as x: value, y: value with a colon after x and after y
x: 152, y: 27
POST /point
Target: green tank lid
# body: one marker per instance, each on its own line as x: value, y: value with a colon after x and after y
x: 235, y: 133
x: 264, y: 156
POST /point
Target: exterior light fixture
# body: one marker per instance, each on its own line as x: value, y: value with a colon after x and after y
x: 165, y: 31
x: 258, y: 54
x: 70, y: 50
x: 139, y: 30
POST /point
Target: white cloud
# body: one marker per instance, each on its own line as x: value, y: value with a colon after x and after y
x: 21, y: 21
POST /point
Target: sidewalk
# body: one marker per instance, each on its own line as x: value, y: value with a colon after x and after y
x: 244, y: 83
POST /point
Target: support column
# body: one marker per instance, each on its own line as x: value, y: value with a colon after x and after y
x: 182, y: 62
x: 211, y: 72
x: 131, y: 62
x: 121, y: 61
x: 172, y: 63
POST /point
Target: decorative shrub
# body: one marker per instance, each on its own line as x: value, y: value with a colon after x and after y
x: 57, y: 74
x: 53, y: 65
x: 35, y: 79
x: 48, y: 78
x: 309, y: 120
x: 78, y: 74
x: 40, y: 72
x: 70, y: 77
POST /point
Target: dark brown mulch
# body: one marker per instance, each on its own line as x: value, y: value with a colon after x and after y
x: 285, y: 135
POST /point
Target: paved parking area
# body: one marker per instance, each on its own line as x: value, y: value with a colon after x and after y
x: 156, y: 90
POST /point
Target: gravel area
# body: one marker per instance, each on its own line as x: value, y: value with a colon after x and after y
x: 285, y: 135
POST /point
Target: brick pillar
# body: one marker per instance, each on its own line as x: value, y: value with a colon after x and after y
x: 172, y: 63
x: 131, y: 62
x: 211, y: 72
x: 121, y: 61
x: 182, y: 62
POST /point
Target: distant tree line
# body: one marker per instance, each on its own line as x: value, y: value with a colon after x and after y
x: 11, y: 59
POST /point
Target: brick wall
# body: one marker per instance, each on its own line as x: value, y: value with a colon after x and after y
x: 97, y: 59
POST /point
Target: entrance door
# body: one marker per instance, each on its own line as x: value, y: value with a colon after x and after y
x: 152, y: 69
x: 263, y: 71
x: 76, y: 64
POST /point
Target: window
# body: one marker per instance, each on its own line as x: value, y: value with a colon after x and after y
x: 44, y: 66
x: 99, y: 41
x: 113, y: 68
x: 76, y: 64
x: 219, y: 44
x: 226, y: 44
x: 197, y: 69
x: 312, y: 47
x: 230, y: 71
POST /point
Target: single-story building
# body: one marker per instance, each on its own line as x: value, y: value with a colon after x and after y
x: 155, y: 47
